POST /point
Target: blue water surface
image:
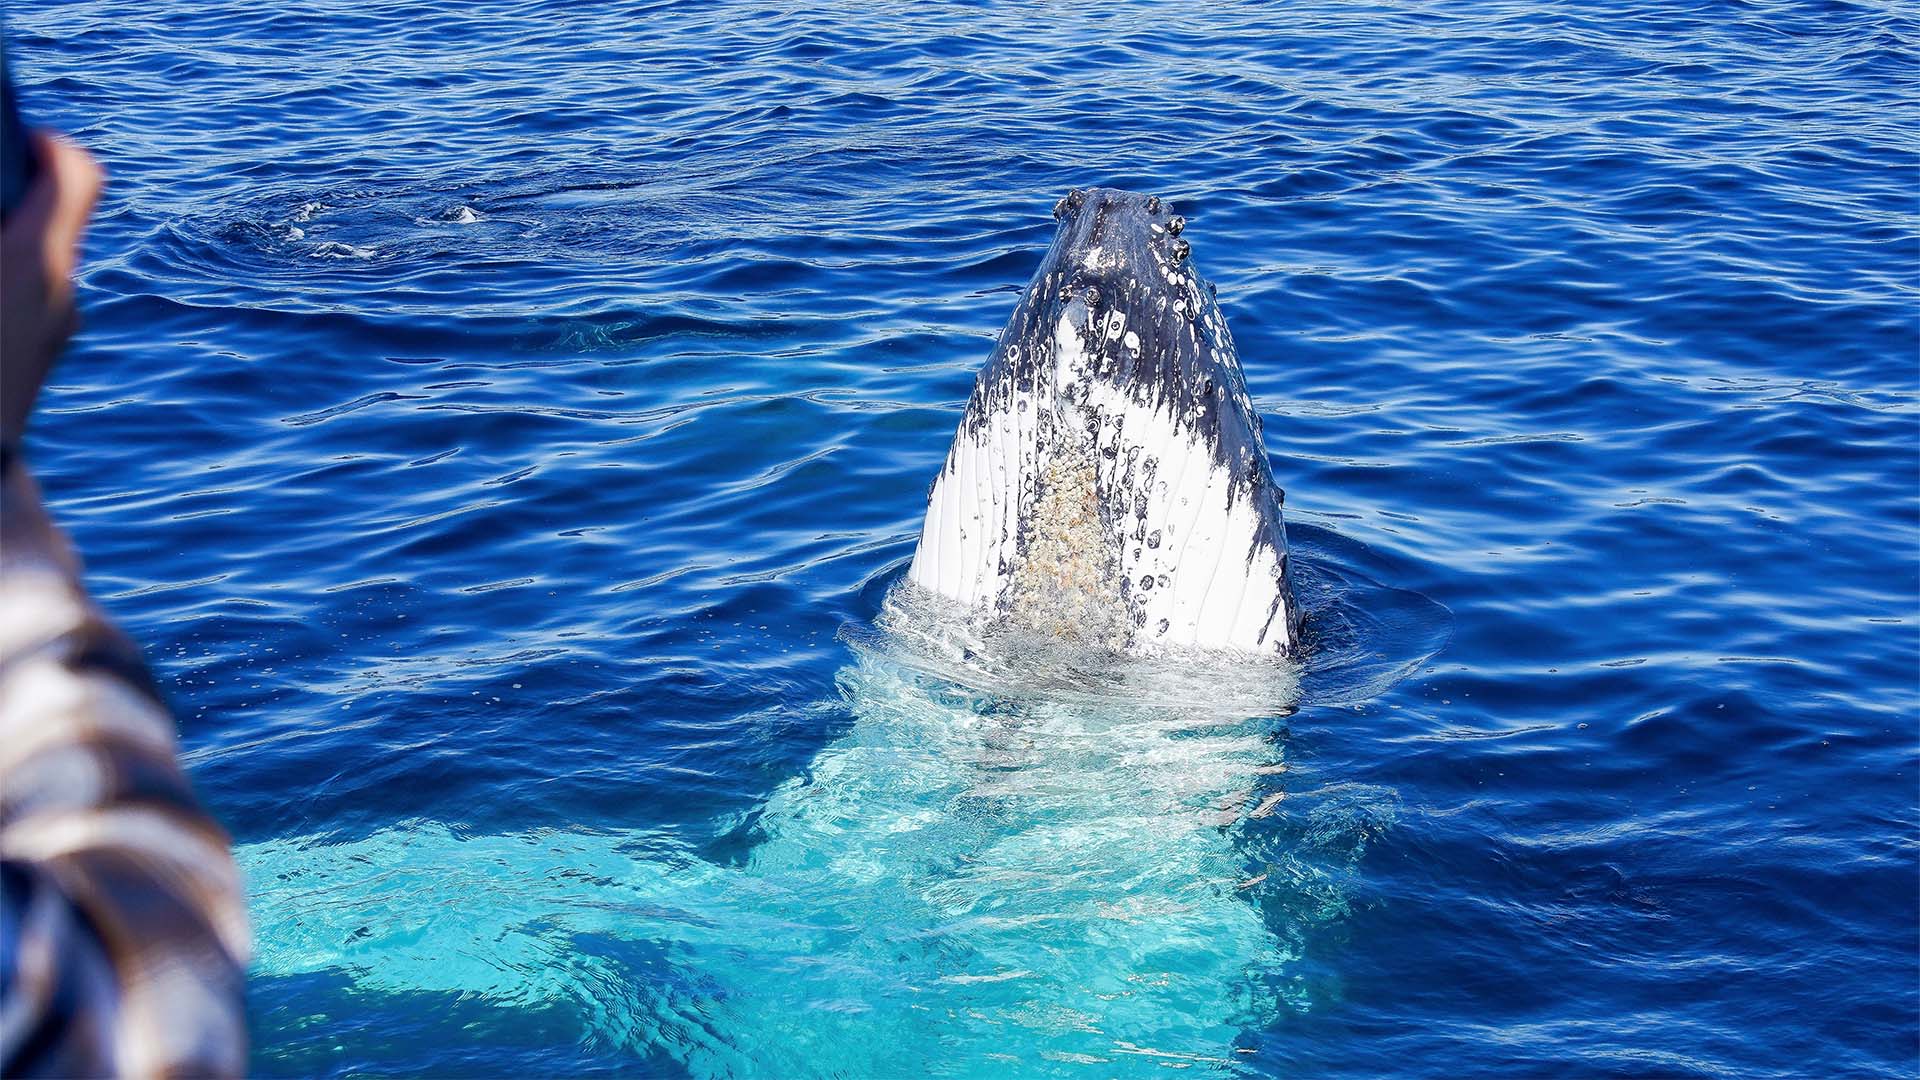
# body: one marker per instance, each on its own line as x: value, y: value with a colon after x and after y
x: 501, y: 423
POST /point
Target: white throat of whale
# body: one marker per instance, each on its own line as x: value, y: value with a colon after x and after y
x: 1108, y: 483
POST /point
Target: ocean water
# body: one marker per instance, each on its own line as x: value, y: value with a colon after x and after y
x: 504, y: 423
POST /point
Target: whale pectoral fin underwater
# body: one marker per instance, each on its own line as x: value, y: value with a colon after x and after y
x: 1108, y: 482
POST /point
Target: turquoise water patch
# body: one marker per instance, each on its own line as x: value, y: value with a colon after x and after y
x: 959, y: 883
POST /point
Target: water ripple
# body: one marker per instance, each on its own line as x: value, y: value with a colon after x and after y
x: 493, y: 415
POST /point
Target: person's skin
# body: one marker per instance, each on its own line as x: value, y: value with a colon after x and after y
x: 39, y: 246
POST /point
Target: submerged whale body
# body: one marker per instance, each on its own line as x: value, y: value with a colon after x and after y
x: 1108, y: 482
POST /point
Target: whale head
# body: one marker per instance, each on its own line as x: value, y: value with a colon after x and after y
x: 1108, y: 483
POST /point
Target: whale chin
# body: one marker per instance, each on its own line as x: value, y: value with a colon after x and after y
x: 1108, y: 483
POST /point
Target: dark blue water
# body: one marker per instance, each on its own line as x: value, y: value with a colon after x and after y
x: 502, y: 422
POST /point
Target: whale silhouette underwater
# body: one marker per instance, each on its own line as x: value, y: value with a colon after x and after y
x: 1045, y: 837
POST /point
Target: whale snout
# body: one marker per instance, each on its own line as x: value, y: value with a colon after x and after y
x: 1116, y: 240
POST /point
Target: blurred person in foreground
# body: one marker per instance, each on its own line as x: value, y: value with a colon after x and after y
x: 123, y: 936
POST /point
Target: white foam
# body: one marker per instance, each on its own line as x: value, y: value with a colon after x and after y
x: 333, y: 249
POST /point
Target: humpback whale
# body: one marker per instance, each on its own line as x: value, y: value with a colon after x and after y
x: 1108, y: 482
x: 1068, y: 860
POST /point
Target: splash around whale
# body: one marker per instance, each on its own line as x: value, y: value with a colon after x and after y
x: 1108, y: 483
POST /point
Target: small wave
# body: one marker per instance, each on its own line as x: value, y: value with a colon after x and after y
x: 333, y: 249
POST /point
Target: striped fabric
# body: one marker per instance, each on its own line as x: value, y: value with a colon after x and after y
x: 123, y: 935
